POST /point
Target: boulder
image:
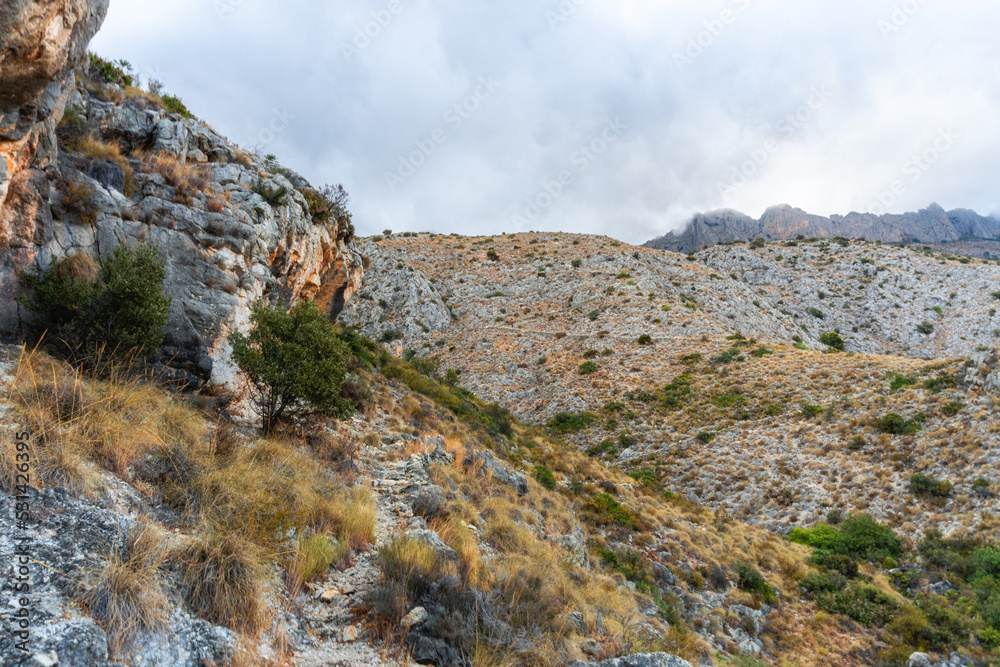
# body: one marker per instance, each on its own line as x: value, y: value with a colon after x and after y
x: 433, y: 540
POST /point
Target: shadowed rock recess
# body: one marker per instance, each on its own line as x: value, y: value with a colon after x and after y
x: 168, y: 180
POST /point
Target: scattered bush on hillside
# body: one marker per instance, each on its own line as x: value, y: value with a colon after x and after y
x: 564, y: 423
x: 926, y: 328
x: 833, y: 340
x: 924, y: 485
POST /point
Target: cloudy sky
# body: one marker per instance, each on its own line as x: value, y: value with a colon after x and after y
x: 620, y: 117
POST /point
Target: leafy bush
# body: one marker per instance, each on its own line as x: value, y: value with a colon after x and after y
x: 705, y: 437
x: 864, y: 604
x: 939, y: 384
x: 729, y: 356
x: 645, y: 339
x: 810, y: 411
x: 118, y: 305
x: 896, y: 425
x: 564, y: 422
x: 817, y: 313
x: 587, y: 368
x: 174, y: 105
x: 603, y: 509
x: 545, y: 477
x: 750, y: 579
x: 953, y: 408
x: 757, y: 243
x: 292, y: 360
x: 833, y: 340
x: 923, y: 485
x: 675, y: 392
x: 926, y: 328
x: 272, y: 196
x: 898, y: 381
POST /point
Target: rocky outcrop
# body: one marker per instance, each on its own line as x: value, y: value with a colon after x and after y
x: 232, y: 228
x: 930, y: 225
x: 638, y: 660
x: 41, y: 42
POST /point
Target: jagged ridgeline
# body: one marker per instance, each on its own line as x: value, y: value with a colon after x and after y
x: 932, y: 225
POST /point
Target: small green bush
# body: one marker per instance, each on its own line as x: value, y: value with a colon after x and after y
x: 750, y: 579
x: 564, y: 423
x: 174, y: 105
x: 587, y: 368
x: 817, y: 313
x: 645, y: 339
x: 864, y: 604
x: 924, y: 485
x: 545, y: 477
x: 926, y: 328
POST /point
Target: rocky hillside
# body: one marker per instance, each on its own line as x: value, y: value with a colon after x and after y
x: 931, y: 225
x: 93, y: 162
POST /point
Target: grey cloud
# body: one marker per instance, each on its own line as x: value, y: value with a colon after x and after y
x: 356, y: 114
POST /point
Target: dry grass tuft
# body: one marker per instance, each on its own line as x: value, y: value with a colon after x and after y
x: 223, y: 580
x: 127, y: 596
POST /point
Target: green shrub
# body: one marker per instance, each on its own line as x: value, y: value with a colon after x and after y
x: 939, y: 384
x: 118, y: 306
x: 895, y: 424
x: 757, y: 243
x: 817, y: 313
x: 545, y: 477
x: 675, y: 392
x: 292, y: 360
x: 865, y: 538
x: 564, y: 422
x: 729, y: 356
x: 603, y: 509
x: 750, y: 579
x: 705, y: 437
x: 810, y: 411
x: 645, y: 339
x: 926, y: 328
x: 952, y: 408
x: 577, y: 263
x: 587, y: 368
x: 864, y: 604
x: 833, y: 340
x: 272, y: 196
x: 923, y: 485
x: 174, y: 105
x: 821, y: 537
x: 761, y: 352
x: 857, y: 443
x: 898, y: 381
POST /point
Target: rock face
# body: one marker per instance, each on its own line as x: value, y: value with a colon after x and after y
x: 41, y: 42
x: 931, y: 225
x: 638, y: 660
x: 179, y: 185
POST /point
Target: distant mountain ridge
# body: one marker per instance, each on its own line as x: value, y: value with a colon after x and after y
x: 930, y: 225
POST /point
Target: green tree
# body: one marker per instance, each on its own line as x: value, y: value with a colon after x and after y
x: 293, y: 361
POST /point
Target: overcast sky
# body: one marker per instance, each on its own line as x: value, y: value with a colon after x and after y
x: 620, y: 117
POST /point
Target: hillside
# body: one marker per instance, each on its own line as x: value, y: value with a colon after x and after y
x: 930, y: 225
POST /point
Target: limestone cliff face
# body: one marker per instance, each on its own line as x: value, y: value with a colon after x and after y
x: 41, y: 42
x: 930, y: 225
x: 178, y: 185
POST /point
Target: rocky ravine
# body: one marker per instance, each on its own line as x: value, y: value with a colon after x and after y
x: 930, y: 225
x: 179, y: 185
